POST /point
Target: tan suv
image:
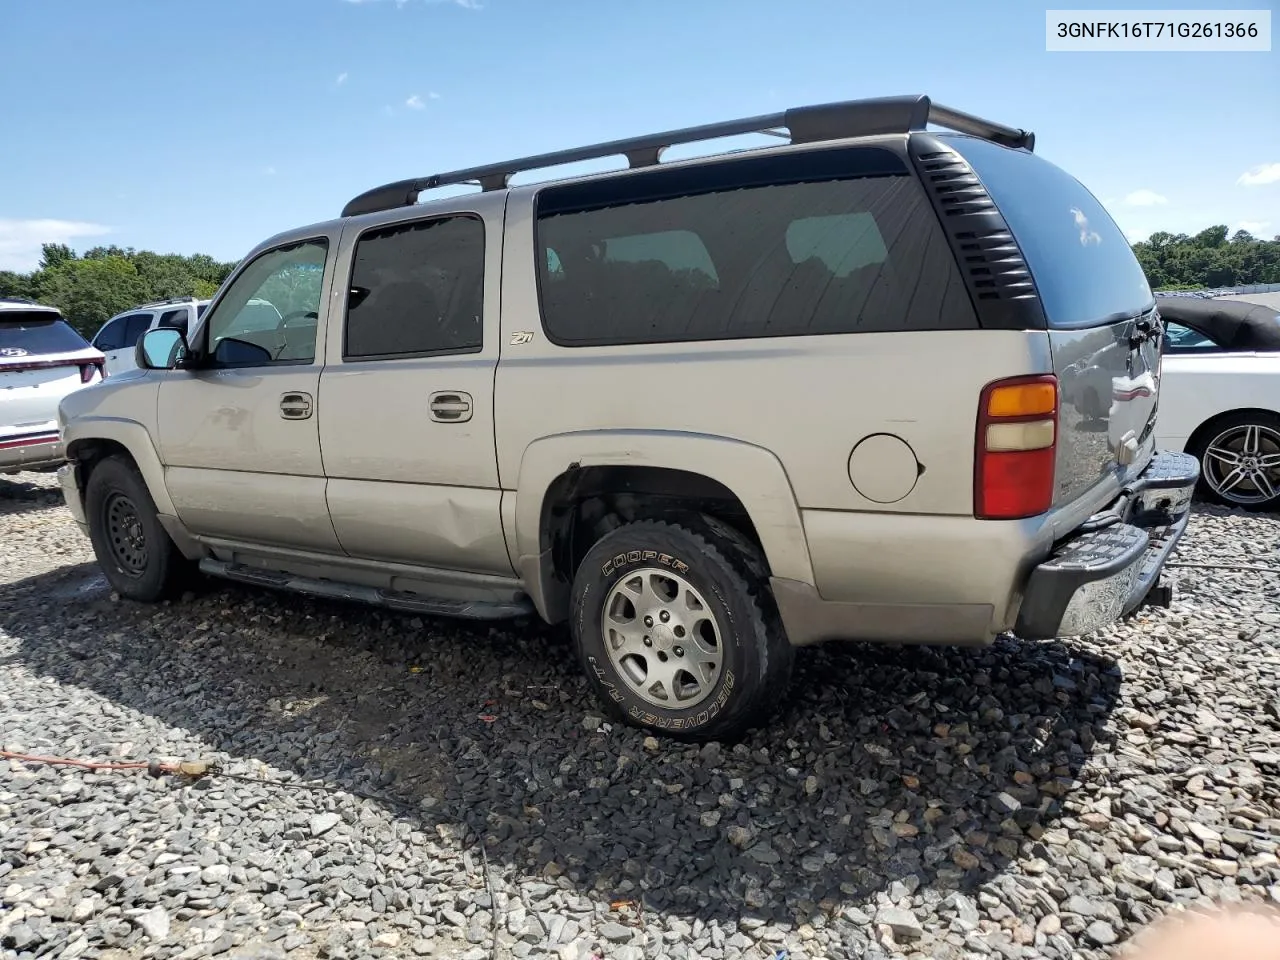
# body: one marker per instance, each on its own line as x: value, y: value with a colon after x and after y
x: 705, y: 411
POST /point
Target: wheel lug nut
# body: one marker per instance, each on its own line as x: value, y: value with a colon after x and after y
x: 678, y: 651
x: 664, y: 616
x: 648, y: 642
x: 648, y: 621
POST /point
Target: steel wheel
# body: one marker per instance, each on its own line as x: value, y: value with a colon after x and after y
x: 1242, y: 464
x: 125, y: 534
x: 662, y: 638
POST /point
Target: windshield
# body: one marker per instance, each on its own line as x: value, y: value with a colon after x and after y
x: 1084, y: 268
x: 32, y: 334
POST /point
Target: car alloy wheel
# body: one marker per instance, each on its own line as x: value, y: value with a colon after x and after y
x: 1242, y: 464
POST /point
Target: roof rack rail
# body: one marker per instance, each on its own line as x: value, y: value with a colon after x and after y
x: 161, y: 303
x: 812, y: 124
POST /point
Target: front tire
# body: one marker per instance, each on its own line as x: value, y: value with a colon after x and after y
x: 676, y: 632
x: 137, y: 556
x: 1239, y: 458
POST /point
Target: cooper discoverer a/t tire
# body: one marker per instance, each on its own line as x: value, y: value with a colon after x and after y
x: 676, y: 631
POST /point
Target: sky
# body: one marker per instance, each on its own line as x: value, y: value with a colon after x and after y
x: 206, y: 126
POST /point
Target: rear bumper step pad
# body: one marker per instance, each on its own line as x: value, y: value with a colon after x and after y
x: 1098, y: 576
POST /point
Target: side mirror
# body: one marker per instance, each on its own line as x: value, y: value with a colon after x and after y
x: 163, y: 348
x: 231, y: 352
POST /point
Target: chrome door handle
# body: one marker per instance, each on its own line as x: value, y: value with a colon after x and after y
x: 295, y: 406
x: 450, y: 406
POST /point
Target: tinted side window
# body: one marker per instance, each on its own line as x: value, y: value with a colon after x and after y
x: 417, y: 289
x: 111, y: 336
x: 174, y: 318
x: 1085, y: 271
x: 134, y: 327
x: 829, y: 256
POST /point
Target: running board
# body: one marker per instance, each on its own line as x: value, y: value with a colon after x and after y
x: 391, y: 599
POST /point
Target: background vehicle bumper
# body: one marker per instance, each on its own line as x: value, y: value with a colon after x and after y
x: 1105, y: 570
x: 35, y: 452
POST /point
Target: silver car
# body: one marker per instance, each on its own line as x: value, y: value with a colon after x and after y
x: 702, y: 412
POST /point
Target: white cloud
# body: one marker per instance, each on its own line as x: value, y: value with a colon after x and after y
x: 342, y: 78
x: 1253, y: 226
x: 20, y: 240
x: 415, y: 103
x: 1261, y: 175
x: 1087, y: 234
x: 1145, y: 198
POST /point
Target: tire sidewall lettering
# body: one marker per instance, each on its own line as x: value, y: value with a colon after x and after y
x: 633, y: 557
x: 615, y: 568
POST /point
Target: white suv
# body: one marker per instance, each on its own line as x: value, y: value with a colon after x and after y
x: 41, y: 361
x: 121, y: 333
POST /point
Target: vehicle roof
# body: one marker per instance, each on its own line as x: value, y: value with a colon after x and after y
x: 1236, y: 324
x: 866, y: 122
x: 156, y: 304
x: 23, y: 305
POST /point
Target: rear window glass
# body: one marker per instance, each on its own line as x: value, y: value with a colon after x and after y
x: 828, y: 256
x: 37, y: 333
x: 1083, y: 265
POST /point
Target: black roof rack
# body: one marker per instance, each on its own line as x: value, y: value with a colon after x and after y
x: 161, y: 303
x: 812, y: 124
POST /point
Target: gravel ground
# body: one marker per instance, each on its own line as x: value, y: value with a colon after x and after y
x: 415, y: 788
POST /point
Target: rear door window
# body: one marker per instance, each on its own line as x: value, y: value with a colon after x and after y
x: 417, y: 289
x: 33, y: 334
x: 794, y: 246
x: 1084, y: 268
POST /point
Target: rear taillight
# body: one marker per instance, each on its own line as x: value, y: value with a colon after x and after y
x: 1016, y: 448
x: 87, y: 371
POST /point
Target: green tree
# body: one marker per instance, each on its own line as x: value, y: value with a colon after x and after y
x: 89, y: 292
x: 1208, y: 259
x: 16, y: 285
x: 54, y: 255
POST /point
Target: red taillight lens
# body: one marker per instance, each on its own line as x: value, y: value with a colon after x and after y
x: 1016, y: 448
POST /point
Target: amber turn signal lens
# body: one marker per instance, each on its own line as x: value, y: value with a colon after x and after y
x: 1023, y: 400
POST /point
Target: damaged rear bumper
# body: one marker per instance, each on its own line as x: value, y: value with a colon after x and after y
x: 1111, y: 565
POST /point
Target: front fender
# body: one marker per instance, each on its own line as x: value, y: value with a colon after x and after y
x: 752, y: 473
x: 133, y: 436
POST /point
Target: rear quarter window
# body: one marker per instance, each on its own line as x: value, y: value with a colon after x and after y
x: 1084, y: 268
x: 34, y: 334
x: 793, y: 247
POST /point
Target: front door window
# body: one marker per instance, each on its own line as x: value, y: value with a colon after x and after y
x: 270, y: 312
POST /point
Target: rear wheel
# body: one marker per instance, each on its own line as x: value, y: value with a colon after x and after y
x: 137, y: 556
x: 1240, y: 461
x: 676, y: 631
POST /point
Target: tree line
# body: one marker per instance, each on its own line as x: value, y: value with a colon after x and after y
x: 91, y: 288
x: 104, y: 281
x: 1208, y: 259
